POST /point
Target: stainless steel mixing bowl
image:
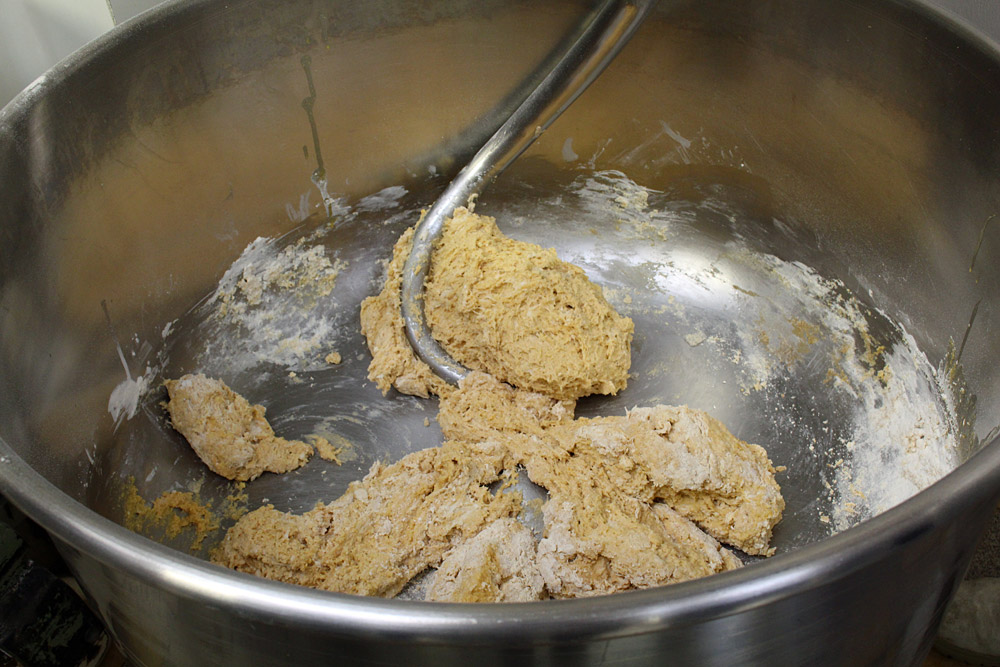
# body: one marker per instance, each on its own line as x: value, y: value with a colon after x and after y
x: 858, y: 138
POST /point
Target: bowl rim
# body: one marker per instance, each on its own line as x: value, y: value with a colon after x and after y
x: 75, y: 526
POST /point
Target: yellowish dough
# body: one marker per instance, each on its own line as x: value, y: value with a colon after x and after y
x: 389, y: 527
x: 519, y: 313
x: 639, y: 500
x: 606, y: 527
x: 505, y: 307
x: 231, y: 436
x: 497, y: 565
x: 393, y: 362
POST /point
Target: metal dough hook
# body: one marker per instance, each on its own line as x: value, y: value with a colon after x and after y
x: 607, y: 31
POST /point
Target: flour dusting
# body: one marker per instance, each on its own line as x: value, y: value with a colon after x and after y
x: 384, y: 199
x: 900, y: 435
x: 279, y: 301
x: 881, y: 423
x: 903, y: 437
x: 124, y: 400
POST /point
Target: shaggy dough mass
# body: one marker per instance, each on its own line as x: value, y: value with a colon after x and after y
x: 609, y: 525
x: 634, y: 501
x: 387, y: 528
x: 228, y: 434
x: 500, y: 306
x: 519, y: 313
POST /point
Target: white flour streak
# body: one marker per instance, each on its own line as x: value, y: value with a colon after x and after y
x: 383, y: 199
x: 903, y: 437
x: 272, y: 306
x: 124, y: 400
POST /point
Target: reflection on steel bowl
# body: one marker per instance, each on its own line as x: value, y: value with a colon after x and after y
x: 794, y: 202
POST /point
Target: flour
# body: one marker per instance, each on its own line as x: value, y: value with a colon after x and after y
x: 384, y: 199
x: 893, y: 431
x: 902, y: 440
x: 900, y: 433
x: 261, y: 269
x: 614, y: 195
x: 124, y: 400
x: 279, y: 302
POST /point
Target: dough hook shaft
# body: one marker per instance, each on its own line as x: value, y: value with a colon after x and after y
x: 606, y: 32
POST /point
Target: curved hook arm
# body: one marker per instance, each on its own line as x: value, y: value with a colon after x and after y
x: 606, y: 32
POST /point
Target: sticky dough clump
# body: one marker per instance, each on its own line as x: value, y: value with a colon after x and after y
x: 521, y: 314
x: 386, y: 529
x: 232, y: 437
x: 505, y: 307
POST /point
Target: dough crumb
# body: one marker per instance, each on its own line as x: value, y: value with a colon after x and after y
x: 228, y: 434
x: 607, y: 527
x: 169, y: 515
x: 333, y: 358
x: 695, y: 339
x: 326, y: 450
x: 689, y: 460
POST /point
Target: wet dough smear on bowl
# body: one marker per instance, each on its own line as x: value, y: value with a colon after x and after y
x: 643, y: 499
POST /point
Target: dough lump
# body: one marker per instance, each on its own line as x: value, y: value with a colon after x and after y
x: 231, y: 436
x: 607, y: 528
x: 395, y: 523
x: 504, y: 307
x: 677, y: 455
x: 519, y: 313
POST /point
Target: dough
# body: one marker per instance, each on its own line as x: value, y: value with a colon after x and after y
x: 389, y: 527
x: 634, y: 501
x: 169, y: 515
x: 231, y: 436
x: 394, y: 364
x: 497, y: 565
x: 500, y: 306
x: 607, y: 528
x: 597, y: 543
x: 519, y: 313
x: 678, y: 455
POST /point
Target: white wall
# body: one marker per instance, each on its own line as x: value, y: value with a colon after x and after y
x: 36, y: 34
